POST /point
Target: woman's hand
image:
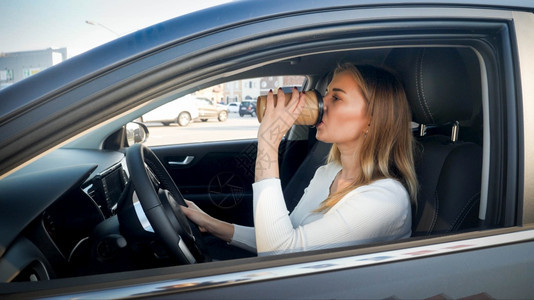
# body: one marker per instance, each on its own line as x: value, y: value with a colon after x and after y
x: 280, y: 117
x: 207, y: 223
x: 274, y: 125
x: 197, y: 215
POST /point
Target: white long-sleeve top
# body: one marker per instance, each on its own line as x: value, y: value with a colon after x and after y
x: 376, y: 212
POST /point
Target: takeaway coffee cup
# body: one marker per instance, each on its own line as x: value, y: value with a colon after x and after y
x: 312, y: 113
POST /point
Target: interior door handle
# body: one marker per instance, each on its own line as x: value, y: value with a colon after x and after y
x: 187, y: 160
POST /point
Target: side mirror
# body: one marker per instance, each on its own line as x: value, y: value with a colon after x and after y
x: 136, y: 133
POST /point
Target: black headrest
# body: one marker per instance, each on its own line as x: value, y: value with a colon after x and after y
x: 323, y: 82
x: 440, y: 84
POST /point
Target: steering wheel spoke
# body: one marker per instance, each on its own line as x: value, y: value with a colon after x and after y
x: 152, y: 177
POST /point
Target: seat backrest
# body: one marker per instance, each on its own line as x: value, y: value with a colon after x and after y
x: 444, y: 94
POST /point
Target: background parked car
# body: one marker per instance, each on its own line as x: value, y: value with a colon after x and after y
x: 233, y: 107
x: 247, y: 107
x: 181, y: 111
x: 186, y: 109
x: 208, y: 109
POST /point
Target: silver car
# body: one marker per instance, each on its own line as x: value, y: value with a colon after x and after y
x: 181, y: 111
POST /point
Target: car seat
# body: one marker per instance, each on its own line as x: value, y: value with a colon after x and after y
x: 444, y: 92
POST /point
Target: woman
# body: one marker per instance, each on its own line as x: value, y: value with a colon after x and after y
x: 365, y: 191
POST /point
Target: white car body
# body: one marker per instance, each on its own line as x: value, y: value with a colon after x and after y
x: 168, y: 113
x: 233, y: 107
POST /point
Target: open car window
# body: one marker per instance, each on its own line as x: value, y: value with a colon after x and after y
x: 226, y: 111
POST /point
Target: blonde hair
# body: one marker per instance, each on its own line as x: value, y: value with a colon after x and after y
x: 390, y: 117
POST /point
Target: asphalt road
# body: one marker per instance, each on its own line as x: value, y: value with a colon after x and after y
x: 235, y: 127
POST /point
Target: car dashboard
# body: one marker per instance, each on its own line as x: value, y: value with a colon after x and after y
x: 50, y: 208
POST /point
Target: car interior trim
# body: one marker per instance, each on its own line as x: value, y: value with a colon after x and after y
x: 523, y: 25
x: 118, y: 90
x: 486, y: 139
x: 186, y: 252
x: 187, y: 160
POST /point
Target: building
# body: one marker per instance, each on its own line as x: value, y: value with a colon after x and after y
x: 250, y: 89
x: 15, y: 66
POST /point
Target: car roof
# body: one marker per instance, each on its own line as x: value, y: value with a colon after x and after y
x: 136, y: 44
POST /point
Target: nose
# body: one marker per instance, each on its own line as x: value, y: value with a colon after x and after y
x: 327, y: 100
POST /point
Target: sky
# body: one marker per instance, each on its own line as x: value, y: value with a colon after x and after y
x: 41, y: 24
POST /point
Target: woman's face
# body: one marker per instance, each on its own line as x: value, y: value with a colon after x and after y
x: 345, y: 119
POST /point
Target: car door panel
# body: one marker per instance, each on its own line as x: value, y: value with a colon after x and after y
x: 217, y: 176
x: 496, y: 265
x: 482, y: 274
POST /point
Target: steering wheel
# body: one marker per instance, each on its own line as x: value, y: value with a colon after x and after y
x: 160, y: 199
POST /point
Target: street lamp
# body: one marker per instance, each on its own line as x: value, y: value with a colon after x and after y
x: 103, y: 26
